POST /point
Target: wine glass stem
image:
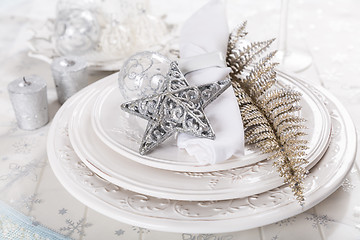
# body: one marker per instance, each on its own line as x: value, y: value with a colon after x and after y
x: 283, y: 26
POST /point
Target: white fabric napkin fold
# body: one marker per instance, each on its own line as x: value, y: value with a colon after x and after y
x: 207, y: 32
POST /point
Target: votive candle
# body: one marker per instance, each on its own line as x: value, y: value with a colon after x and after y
x: 29, y: 99
x: 70, y: 76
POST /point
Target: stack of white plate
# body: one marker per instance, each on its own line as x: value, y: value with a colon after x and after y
x: 93, y: 150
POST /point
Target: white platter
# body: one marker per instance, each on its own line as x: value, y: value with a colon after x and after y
x: 205, y: 216
x: 217, y: 185
x: 123, y: 133
x: 42, y: 46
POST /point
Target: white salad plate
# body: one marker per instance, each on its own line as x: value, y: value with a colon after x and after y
x: 123, y: 132
x: 236, y: 214
x: 122, y: 171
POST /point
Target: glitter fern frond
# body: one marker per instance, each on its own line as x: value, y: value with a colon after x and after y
x: 270, y: 114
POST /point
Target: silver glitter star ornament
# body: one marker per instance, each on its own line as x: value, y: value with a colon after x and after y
x: 178, y: 108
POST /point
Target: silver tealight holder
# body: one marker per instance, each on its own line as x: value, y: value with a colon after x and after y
x: 70, y: 76
x: 29, y: 99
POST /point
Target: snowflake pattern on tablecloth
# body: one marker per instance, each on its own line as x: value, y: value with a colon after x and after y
x: 140, y: 230
x: 27, y: 202
x: 34, y: 222
x: 17, y: 172
x: 318, y: 220
x: 286, y: 222
x: 62, y: 211
x: 276, y: 237
x: 119, y: 232
x: 24, y: 145
x: 188, y: 236
x: 75, y: 227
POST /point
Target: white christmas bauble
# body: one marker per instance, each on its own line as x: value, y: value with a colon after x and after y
x: 143, y: 74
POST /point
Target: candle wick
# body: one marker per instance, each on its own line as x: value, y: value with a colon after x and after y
x: 26, y: 82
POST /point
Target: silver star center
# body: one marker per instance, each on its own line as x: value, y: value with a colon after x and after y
x: 178, y: 108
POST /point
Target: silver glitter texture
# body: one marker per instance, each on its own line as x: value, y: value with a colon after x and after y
x: 70, y: 76
x: 29, y: 99
x: 178, y: 108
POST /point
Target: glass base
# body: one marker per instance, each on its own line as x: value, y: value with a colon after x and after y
x: 294, y: 60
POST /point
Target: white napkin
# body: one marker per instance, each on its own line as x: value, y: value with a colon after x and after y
x: 207, y: 32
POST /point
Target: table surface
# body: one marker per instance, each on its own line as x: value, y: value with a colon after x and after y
x: 29, y: 191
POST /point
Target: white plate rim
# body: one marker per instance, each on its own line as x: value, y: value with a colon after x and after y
x: 233, y: 162
x: 230, y: 225
x: 145, y: 185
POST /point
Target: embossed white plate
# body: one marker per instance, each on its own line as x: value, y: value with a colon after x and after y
x: 217, y: 185
x: 123, y: 133
x: 205, y: 216
x: 135, y: 176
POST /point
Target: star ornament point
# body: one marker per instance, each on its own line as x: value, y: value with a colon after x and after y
x: 179, y: 107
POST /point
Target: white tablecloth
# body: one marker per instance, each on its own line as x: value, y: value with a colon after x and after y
x: 327, y: 30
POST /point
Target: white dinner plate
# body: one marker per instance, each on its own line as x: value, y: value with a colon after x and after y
x: 123, y: 132
x: 204, y: 216
x: 217, y: 185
